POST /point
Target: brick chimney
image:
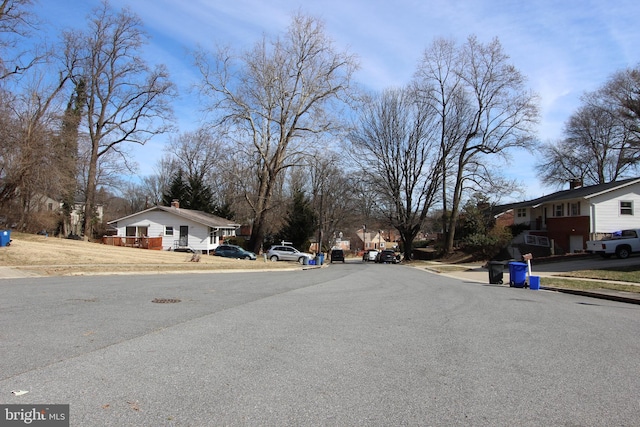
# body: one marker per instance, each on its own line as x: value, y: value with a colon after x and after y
x: 175, y: 204
x: 575, y: 183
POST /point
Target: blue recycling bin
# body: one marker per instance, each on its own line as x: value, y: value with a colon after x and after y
x: 5, y: 238
x: 517, y: 274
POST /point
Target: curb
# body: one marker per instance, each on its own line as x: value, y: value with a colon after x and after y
x: 599, y: 295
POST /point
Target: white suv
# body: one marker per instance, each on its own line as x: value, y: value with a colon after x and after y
x: 288, y: 253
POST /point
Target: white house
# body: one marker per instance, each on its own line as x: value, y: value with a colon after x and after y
x: 571, y: 217
x: 179, y: 228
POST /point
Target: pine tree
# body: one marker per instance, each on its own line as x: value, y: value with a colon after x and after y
x: 177, y: 190
x: 301, y: 222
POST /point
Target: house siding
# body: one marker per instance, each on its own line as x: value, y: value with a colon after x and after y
x: 156, y: 221
x: 605, y: 212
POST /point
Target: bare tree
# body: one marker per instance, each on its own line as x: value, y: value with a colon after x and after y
x: 30, y: 167
x: 126, y: 101
x: 395, y: 143
x: 600, y: 142
x: 624, y: 89
x: 271, y: 98
x: 492, y: 113
x: 16, y: 21
x: 439, y: 80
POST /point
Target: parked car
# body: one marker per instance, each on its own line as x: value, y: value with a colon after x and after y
x: 233, y: 251
x: 337, y: 255
x: 369, y: 255
x: 288, y: 253
x: 387, y: 256
x: 622, y: 244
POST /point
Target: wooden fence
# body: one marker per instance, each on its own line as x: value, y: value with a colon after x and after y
x: 154, y: 243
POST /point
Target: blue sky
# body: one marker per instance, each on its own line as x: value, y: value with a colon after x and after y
x: 564, y: 47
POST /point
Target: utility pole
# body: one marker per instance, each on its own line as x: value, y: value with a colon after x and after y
x: 364, y: 238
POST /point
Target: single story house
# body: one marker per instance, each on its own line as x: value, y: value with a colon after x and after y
x: 180, y: 229
x: 567, y: 219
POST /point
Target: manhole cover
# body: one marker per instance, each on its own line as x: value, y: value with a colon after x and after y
x: 165, y: 300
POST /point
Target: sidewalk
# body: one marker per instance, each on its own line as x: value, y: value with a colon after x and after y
x: 477, y: 273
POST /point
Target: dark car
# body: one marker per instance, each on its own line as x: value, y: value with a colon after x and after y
x: 386, y: 257
x: 337, y: 255
x: 233, y: 251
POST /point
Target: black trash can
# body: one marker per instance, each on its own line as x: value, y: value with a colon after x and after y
x: 496, y: 272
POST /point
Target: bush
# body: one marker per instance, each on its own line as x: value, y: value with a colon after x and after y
x: 487, y: 246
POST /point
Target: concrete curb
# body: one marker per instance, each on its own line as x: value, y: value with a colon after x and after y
x: 475, y: 274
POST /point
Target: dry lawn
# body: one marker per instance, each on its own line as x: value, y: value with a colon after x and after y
x: 53, y: 256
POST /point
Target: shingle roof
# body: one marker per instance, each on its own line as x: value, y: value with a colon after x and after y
x: 200, y: 217
x: 574, y: 193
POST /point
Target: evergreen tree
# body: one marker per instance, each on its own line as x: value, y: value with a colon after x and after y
x: 224, y: 210
x: 301, y: 222
x: 199, y: 195
x: 191, y: 193
x: 177, y: 190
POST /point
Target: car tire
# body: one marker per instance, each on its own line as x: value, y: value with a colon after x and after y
x: 622, y: 252
x: 274, y: 258
x: 301, y: 260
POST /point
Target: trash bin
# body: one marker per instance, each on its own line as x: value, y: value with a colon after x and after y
x: 496, y: 272
x: 534, y: 283
x: 5, y: 238
x: 319, y: 259
x: 517, y: 274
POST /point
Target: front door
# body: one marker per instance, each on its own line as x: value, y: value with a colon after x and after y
x: 184, y: 236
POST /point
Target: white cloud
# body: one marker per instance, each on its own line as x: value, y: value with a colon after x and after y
x: 565, y: 48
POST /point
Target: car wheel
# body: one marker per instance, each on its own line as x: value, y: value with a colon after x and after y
x: 247, y: 257
x: 301, y: 260
x: 622, y: 253
x: 274, y: 258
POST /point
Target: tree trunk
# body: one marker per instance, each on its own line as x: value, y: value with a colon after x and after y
x: 90, y: 195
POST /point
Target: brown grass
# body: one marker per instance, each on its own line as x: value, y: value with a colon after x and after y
x: 54, y: 256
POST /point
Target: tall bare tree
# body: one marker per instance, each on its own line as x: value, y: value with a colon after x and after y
x: 438, y: 80
x: 601, y: 139
x: 493, y: 113
x: 30, y: 167
x: 271, y: 97
x: 126, y: 100
x: 16, y: 23
x: 395, y: 143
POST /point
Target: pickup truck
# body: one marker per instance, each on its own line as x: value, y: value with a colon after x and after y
x: 622, y: 244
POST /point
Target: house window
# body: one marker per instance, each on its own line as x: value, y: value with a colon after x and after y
x: 213, y: 233
x: 521, y: 212
x: 50, y: 207
x: 574, y: 209
x: 626, y: 208
x: 558, y: 210
x: 168, y: 230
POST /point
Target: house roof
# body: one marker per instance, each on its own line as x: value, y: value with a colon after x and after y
x: 586, y: 192
x: 200, y: 217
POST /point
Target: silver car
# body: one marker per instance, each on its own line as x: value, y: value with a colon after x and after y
x: 288, y: 253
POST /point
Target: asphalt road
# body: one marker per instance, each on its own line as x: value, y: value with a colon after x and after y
x: 350, y: 344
